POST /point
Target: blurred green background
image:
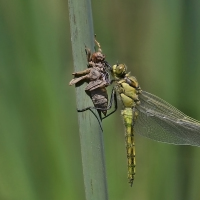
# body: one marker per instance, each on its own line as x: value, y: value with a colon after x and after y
x: 40, y: 156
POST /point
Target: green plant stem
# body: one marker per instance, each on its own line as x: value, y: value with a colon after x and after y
x: 91, y: 139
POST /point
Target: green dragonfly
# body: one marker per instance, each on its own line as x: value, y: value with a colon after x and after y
x: 148, y: 115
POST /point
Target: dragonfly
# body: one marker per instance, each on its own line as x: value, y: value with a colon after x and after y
x: 150, y: 116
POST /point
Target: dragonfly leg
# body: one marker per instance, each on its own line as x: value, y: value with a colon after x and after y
x: 90, y: 108
x: 112, y: 99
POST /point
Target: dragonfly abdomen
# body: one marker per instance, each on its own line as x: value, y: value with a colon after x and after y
x: 127, y: 114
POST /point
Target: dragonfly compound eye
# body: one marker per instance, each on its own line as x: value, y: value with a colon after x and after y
x: 119, y: 70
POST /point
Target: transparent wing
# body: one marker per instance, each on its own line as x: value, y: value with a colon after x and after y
x: 160, y: 121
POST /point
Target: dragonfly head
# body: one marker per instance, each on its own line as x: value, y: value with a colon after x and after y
x: 118, y: 70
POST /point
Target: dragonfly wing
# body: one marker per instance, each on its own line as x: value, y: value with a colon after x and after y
x: 160, y: 121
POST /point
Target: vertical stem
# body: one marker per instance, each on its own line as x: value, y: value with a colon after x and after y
x: 91, y: 139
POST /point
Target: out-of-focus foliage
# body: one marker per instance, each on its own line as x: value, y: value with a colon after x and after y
x: 39, y: 142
